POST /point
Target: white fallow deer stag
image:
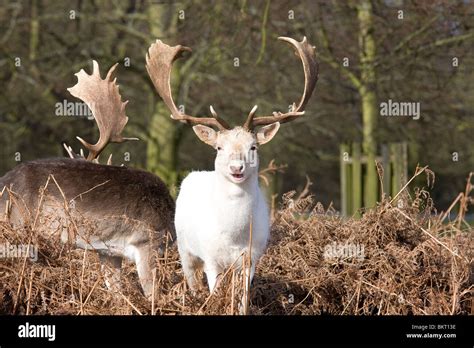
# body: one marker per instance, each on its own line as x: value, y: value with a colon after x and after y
x: 215, y: 210
x: 118, y: 211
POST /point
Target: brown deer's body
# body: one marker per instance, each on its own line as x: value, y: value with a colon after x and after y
x: 118, y: 211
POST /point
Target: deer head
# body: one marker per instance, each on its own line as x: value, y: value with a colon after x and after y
x: 236, y: 147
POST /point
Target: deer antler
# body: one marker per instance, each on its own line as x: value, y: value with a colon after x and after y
x: 105, y: 102
x: 159, y: 61
x: 71, y: 152
x: 307, y: 54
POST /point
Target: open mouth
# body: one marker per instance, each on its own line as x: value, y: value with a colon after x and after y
x: 237, y: 176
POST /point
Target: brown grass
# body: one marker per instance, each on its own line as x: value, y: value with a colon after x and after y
x: 413, y: 262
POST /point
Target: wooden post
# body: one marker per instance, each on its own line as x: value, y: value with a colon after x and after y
x: 397, y: 160
x: 344, y: 168
x: 350, y: 185
x: 404, y: 154
x: 387, y: 170
x: 356, y: 181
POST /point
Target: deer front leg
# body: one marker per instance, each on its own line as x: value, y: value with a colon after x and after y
x: 111, y: 267
x: 248, y: 273
x: 190, y: 263
x: 145, y: 264
x: 212, y: 272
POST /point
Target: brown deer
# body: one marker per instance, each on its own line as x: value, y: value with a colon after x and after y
x: 118, y: 211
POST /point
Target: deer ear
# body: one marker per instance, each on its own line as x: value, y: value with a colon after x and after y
x: 206, y: 134
x: 265, y: 134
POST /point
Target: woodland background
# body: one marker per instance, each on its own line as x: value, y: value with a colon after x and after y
x: 408, y: 60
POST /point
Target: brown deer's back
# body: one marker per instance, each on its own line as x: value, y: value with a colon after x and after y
x: 96, y: 190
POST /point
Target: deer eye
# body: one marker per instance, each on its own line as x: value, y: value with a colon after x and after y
x: 253, y: 148
x: 219, y: 148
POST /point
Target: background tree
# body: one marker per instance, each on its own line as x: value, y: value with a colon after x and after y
x: 422, y: 56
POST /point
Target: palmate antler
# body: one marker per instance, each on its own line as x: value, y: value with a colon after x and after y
x: 307, y: 54
x: 103, y: 98
x: 159, y: 61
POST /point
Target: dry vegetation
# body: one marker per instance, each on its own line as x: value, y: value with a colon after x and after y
x: 414, y: 262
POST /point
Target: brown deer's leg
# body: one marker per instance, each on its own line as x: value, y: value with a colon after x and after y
x: 145, y: 264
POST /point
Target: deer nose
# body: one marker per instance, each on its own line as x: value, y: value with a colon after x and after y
x: 236, y: 169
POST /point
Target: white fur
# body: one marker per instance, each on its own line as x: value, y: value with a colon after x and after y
x: 213, y: 211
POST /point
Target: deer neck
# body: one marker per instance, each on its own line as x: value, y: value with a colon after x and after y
x: 235, y: 205
x: 228, y: 190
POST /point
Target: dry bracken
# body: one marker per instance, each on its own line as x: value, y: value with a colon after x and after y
x: 396, y: 259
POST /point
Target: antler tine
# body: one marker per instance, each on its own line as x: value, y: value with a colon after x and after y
x: 159, y: 61
x: 307, y: 54
x: 249, y: 121
x: 213, y: 112
x: 70, y: 152
x: 103, y: 98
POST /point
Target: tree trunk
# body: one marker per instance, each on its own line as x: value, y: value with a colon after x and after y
x: 34, y: 30
x: 368, y: 95
x: 162, y: 146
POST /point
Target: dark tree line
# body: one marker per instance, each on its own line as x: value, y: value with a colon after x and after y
x: 369, y: 52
